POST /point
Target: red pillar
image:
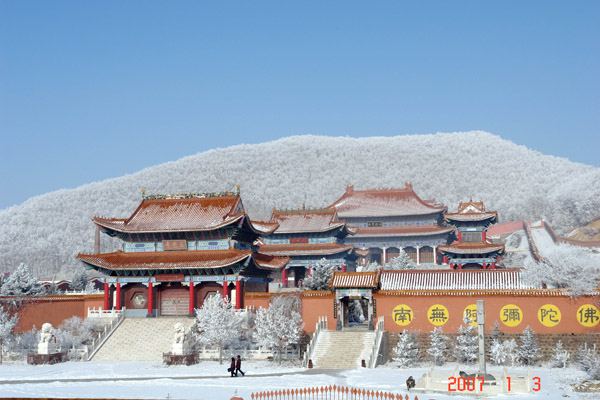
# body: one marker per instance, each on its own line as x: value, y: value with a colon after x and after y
x: 484, y: 236
x: 459, y: 265
x: 267, y: 287
x: 238, y: 295
x: 493, y: 265
x: 150, y: 300
x: 225, y: 290
x: 118, y: 307
x: 459, y: 237
x: 484, y: 265
x: 343, y: 268
x: 106, y: 296
x: 310, y: 270
x: 284, y: 278
x: 191, y: 310
x: 445, y: 259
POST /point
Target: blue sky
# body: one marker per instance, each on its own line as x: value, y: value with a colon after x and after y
x: 93, y: 90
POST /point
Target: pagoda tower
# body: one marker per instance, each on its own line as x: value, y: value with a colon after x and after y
x: 472, y: 249
x: 178, y: 249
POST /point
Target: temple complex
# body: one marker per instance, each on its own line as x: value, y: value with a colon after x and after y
x: 387, y: 220
x: 178, y: 249
x: 307, y: 236
x: 472, y: 250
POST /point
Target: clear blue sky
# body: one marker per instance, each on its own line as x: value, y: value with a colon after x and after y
x: 96, y: 89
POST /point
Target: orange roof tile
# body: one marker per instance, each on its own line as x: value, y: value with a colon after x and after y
x: 163, y: 260
x: 472, y: 248
x: 306, y: 220
x: 383, y: 203
x: 397, y: 231
x: 354, y: 279
x: 304, y: 249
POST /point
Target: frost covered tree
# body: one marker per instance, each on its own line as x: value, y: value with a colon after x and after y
x: 584, y: 357
x: 372, y: 266
x: 560, y: 356
x: 356, y: 312
x: 217, y: 323
x: 438, y: 346
x: 529, y: 351
x: 21, y: 283
x: 402, y: 262
x: 280, y: 324
x: 501, y: 352
x: 467, y: 346
x: 7, y: 324
x: 566, y: 266
x: 321, y: 275
x: 406, y: 351
x: 79, y: 280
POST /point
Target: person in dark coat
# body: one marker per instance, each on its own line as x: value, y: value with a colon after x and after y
x: 410, y: 383
x: 232, y: 367
x: 238, y: 366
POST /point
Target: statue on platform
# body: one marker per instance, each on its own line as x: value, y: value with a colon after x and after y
x: 47, y: 344
x: 179, y: 345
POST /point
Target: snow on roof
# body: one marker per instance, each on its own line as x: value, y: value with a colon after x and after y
x: 354, y: 279
x: 383, y: 203
x: 453, y: 280
x: 291, y: 221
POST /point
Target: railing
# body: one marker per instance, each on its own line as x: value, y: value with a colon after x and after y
x: 379, y: 332
x: 100, y: 313
x: 310, y: 349
x: 328, y: 393
x: 248, y: 354
x: 108, y: 330
x: 82, y: 292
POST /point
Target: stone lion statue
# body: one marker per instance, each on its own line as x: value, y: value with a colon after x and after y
x: 179, y: 333
x: 46, y: 333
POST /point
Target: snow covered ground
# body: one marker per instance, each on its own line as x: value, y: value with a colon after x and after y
x: 210, y: 381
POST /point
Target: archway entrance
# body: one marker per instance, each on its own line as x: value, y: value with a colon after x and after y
x: 355, y: 309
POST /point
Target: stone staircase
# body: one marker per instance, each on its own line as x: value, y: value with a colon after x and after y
x: 141, y: 339
x: 343, y: 349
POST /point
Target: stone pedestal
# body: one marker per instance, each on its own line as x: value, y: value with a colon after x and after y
x: 47, y: 348
x: 179, y: 349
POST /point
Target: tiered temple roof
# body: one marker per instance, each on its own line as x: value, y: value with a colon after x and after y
x: 189, y: 214
x: 472, y: 211
x: 383, y: 203
x: 303, y: 220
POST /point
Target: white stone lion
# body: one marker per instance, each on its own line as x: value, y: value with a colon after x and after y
x: 46, y: 334
x: 179, y: 333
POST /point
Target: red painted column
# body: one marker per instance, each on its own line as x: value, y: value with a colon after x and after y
x: 343, y: 268
x: 445, y: 259
x: 459, y: 265
x: 150, y: 300
x: 267, y: 287
x: 310, y: 270
x: 484, y: 265
x: 238, y: 295
x: 459, y: 237
x: 284, y: 277
x: 191, y: 301
x: 106, y: 296
x: 484, y: 236
x: 493, y: 265
x: 118, y: 307
x: 225, y: 290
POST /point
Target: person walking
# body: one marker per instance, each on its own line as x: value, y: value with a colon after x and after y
x: 232, y: 368
x: 238, y: 366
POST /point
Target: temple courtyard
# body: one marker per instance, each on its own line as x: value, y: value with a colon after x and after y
x: 211, y: 381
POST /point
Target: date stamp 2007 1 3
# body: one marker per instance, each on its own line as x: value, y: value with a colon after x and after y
x: 470, y: 384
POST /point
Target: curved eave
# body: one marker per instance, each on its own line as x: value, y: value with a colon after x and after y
x: 304, y: 250
x: 121, y: 228
x: 329, y: 228
x: 458, y: 217
x: 457, y: 249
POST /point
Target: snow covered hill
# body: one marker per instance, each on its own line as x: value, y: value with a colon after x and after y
x: 47, y: 231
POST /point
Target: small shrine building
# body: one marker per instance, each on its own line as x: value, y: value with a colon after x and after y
x: 472, y: 250
x: 387, y: 220
x: 307, y: 236
x: 178, y: 249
